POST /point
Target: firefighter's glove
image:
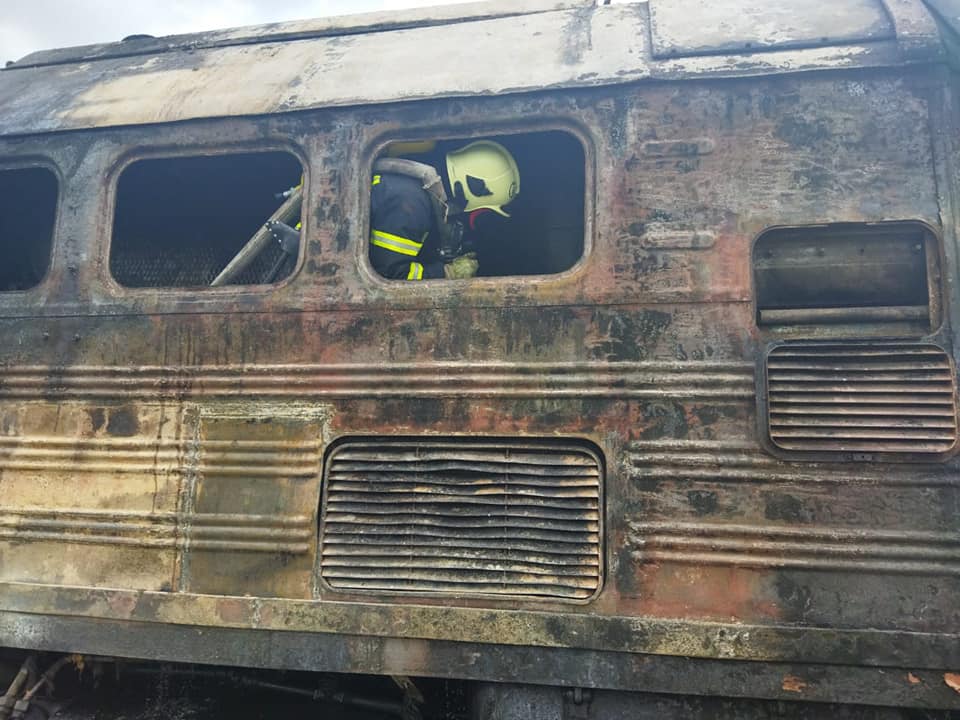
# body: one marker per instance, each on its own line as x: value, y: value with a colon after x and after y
x: 288, y: 238
x: 462, y: 267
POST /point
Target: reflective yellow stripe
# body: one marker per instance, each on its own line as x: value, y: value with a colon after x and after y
x: 376, y: 180
x: 416, y: 272
x: 397, y: 244
x: 297, y: 226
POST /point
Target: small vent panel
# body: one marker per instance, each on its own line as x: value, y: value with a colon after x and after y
x: 896, y: 398
x: 462, y: 519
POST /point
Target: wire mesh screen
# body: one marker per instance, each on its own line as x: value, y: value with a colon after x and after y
x: 179, y: 221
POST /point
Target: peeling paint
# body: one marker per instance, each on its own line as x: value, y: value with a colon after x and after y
x: 162, y: 450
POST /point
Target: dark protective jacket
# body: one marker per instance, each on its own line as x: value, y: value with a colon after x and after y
x: 403, y: 234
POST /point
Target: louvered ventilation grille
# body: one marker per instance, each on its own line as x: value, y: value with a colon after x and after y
x: 878, y: 398
x: 462, y: 519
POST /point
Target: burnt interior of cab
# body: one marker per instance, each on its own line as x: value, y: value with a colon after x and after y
x: 28, y: 203
x: 180, y: 220
x: 847, y: 273
x: 545, y: 231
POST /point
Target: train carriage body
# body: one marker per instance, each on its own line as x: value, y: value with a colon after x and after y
x: 696, y: 435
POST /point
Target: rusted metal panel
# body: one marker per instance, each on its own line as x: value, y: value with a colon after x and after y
x: 247, y: 505
x: 149, y: 496
x: 462, y: 519
x: 84, y: 500
x: 647, y: 349
x: 546, y: 627
x: 830, y: 682
x: 698, y: 27
x: 856, y: 163
x: 871, y: 398
x: 895, y: 553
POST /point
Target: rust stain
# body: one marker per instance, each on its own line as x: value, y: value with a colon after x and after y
x: 413, y: 654
x: 953, y: 681
x: 266, y: 615
x: 233, y: 611
x: 715, y: 593
x: 123, y: 605
x: 794, y: 684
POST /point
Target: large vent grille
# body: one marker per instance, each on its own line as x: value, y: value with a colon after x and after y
x: 464, y: 519
x: 891, y: 398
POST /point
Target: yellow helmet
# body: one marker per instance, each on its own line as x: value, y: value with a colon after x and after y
x: 487, y: 174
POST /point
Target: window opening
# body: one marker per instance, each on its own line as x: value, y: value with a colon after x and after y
x: 179, y: 222
x: 28, y: 204
x: 850, y: 273
x: 501, y: 205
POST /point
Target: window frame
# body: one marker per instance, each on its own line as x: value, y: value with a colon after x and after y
x: 375, y: 148
x: 28, y: 162
x: 934, y: 262
x: 168, y: 152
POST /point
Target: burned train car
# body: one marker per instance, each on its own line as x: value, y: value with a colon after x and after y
x: 692, y: 430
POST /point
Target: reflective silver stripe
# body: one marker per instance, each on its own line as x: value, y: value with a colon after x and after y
x: 416, y: 271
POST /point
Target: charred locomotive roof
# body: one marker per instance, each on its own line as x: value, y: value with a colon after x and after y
x: 475, y: 49
x: 948, y: 11
x: 365, y: 23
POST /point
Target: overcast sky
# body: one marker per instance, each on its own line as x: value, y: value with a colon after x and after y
x: 29, y: 25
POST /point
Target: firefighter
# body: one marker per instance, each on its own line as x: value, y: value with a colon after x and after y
x: 410, y: 228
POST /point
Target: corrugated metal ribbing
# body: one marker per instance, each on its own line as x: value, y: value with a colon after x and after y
x: 460, y: 518
x: 862, y: 398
